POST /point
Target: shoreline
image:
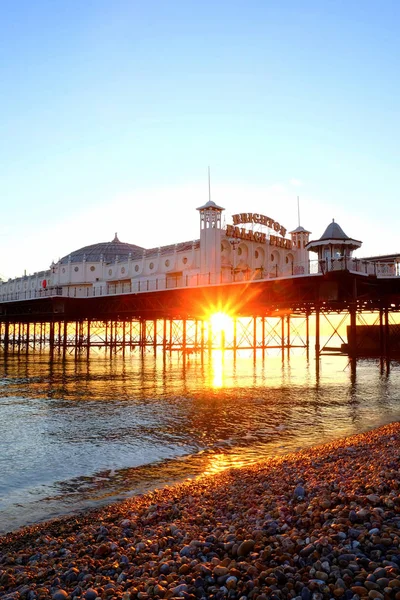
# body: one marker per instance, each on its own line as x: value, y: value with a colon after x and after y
x: 310, y: 525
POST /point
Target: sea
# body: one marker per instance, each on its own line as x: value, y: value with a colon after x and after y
x: 78, y: 433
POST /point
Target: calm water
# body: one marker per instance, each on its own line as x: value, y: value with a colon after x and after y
x: 79, y: 434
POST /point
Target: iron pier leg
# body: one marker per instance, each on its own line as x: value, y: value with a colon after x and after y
x: 19, y: 338
x: 143, y: 335
x: 184, y: 337
x: 254, y: 338
x: 353, y: 332
x: 382, y: 340
x: 317, y: 337
x: 387, y: 332
x: 164, y: 334
x: 88, y: 339
x: 155, y: 336
x: 234, y: 337
x: 51, y: 337
x: 27, y: 337
x: 263, y: 336
x: 202, y: 340
x: 65, y: 337
x: 6, y: 336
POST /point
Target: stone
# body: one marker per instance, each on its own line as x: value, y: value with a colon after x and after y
x: 245, y: 547
x: 60, y: 595
x: 373, y: 498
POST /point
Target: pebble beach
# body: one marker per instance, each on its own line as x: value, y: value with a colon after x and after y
x: 320, y: 523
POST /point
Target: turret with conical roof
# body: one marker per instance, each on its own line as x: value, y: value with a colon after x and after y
x: 210, y: 238
x: 334, y: 244
x: 300, y: 237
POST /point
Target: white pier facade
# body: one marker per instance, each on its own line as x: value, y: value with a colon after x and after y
x: 252, y: 247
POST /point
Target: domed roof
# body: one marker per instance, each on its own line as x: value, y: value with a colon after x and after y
x: 107, y: 251
x: 300, y: 229
x: 210, y: 205
x: 334, y: 232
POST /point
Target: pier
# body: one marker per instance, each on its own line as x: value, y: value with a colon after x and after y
x: 265, y: 314
x: 121, y: 297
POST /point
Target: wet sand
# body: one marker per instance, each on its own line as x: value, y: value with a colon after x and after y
x: 321, y: 523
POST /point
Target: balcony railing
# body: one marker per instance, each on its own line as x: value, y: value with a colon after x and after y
x: 226, y: 276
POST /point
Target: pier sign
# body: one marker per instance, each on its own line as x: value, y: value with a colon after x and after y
x: 244, y: 234
x: 257, y: 236
x: 243, y: 218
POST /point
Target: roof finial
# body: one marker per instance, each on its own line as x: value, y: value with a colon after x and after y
x: 298, y: 209
x: 116, y: 238
x: 209, y: 185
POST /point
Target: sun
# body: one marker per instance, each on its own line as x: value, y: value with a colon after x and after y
x: 220, y: 322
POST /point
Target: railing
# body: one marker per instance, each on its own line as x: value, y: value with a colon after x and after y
x: 31, y: 294
x: 357, y: 265
x: 226, y: 276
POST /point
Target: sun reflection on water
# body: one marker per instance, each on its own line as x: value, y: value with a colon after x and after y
x: 221, y: 462
x: 217, y: 366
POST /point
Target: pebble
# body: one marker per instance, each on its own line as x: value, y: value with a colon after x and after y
x: 247, y: 534
x: 60, y: 595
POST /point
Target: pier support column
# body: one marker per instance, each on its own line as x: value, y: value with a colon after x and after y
x: 263, y: 336
x: 51, y: 337
x: 387, y: 332
x: 19, y: 338
x: 202, y: 330
x: 164, y: 334
x: 317, y: 334
x: 353, y: 332
x: 382, y: 341
x: 88, y: 339
x: 65, y: 338
x: 255, y: 337
x: 155, y: 336
x: 6, y: 336
x: 210, y: 340
x: 184, y: 337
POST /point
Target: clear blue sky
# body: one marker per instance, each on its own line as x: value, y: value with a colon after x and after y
x: 110, y: 112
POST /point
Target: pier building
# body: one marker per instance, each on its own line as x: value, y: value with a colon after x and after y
x: 252, y: 246
x: 119, y: 295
